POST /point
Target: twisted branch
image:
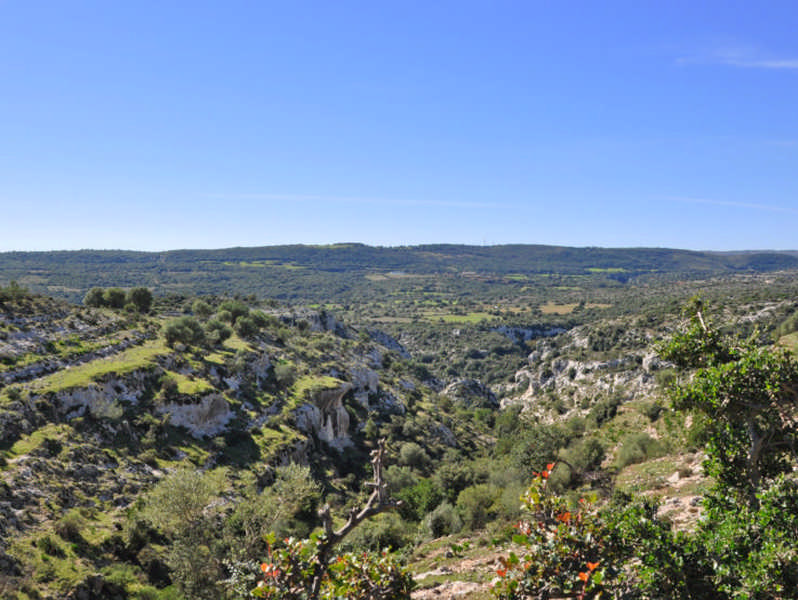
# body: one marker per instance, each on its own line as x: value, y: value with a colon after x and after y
x: 379, y: 501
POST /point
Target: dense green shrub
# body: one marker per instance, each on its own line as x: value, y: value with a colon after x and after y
x: 236, y: 308
x: 114, y: 297
x: 413, y: 455
x: 94, y: 297
x: 217, y: 332
x: 419, y: 499
x: 184, y: 330
x: 453, y: 477
x: 141, y: 298
x: 476, y: 505
x: 444, y: 520
x: 386, y: 530
x: 246, y: 327
x: 604, y: 410
x: 201, y: 309
x: 285, y: 374
x: 636, y: 448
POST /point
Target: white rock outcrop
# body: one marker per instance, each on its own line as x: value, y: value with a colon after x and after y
x: 207, y: 417
x: 326, y: 418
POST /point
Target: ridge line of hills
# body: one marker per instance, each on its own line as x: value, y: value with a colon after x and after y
x: 335, y: 272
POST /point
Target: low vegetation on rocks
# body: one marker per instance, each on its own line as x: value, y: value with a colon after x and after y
x: 156, y: 446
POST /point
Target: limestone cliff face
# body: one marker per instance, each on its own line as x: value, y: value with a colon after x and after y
x: 562, y: 373
x: 207, y: 417
x: 366, y: 383
x: 95, y: 397
x: 326, y: 418
x: 525, y: 334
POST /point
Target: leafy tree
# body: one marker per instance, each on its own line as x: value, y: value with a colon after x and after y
x: 178, y: 506
x: 95, y: 297
x: 477, y: 505
x: 217, y: 332
x: 114, y: 297
x: 293, y: 494
x: 185, y: 330
x: 246, y: 327
x: 754, y: 550
x: 537, y: 445
x: 413, y: 455
x: 748, y: 395
x: 141, y: 297
x: 13, y: 291
x: 420, y: 498
x: 201, y: 308
x: 236, y: 308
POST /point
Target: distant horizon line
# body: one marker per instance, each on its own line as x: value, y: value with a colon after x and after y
x: 399, y: 246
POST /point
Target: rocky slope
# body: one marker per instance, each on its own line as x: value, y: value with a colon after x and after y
x: 88, y: 432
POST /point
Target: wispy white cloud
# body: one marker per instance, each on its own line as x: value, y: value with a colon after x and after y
x: 731, y: 203
x: 268, y: 197
x: 744, y: 57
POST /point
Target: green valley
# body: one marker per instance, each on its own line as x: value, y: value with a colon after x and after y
x: 201, y: 443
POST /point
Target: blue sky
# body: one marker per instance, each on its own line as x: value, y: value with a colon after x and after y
x: 170, y: 124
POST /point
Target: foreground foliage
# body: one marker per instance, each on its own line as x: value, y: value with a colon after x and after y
x: 309, y: 569
x: 291, y: 568
x: 746, y: 545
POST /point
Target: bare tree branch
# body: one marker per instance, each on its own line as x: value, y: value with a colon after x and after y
x: 379, y: 501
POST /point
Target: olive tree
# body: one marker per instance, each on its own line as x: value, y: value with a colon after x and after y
x: 94, y: 297
x: 114, y: 297
x: 141, y: 297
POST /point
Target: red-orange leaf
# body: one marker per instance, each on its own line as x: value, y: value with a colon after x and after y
x: 592, y: 566
x: 564, y: 517
x: 584, y: 576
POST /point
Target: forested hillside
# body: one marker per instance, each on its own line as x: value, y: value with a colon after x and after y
x: 343, y: 272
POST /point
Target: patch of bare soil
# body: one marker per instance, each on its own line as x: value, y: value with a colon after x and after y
x: 468, y: 578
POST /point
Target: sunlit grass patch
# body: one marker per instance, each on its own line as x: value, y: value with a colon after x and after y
x: 127, y: 361
x: 467, y: 318
x: 188, y: 386
x: 28, y: 443
x: 236, y: 343
x: 551, y: 308
x: 606, y: 270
